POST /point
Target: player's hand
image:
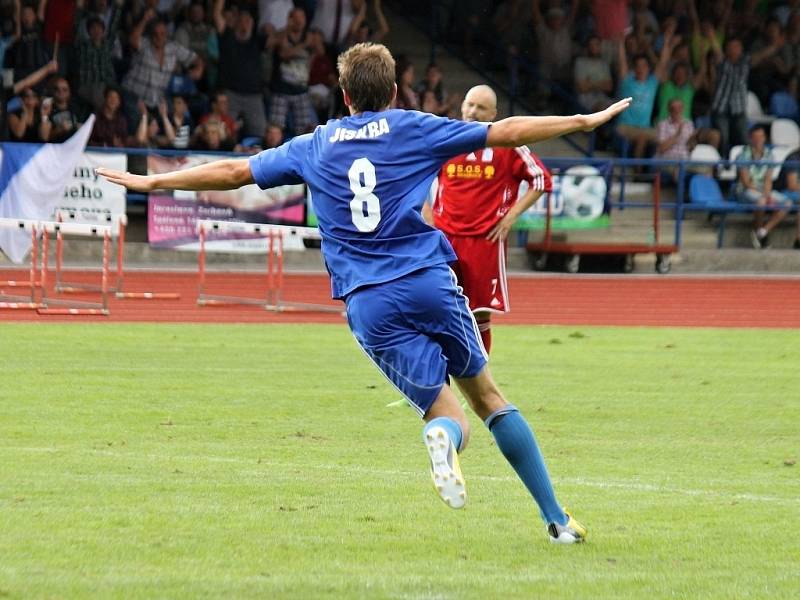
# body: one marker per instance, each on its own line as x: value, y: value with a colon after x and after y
x: 499, y: 232
x: 594, y: 120
x: 139, y: 183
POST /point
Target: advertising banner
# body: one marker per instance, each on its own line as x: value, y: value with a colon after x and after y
x: 90, y: 198
x: 578, y: 200
x: 172, y: 216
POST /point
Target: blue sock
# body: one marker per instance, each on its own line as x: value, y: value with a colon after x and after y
x: 517, y: 443
x: 452, y: 428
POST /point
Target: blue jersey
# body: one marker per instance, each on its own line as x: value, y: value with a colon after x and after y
x: 369, y: 175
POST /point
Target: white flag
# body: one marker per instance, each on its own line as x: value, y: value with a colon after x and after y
x: 32, y: 178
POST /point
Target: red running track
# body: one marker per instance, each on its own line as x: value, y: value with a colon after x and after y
x: 671, y: 300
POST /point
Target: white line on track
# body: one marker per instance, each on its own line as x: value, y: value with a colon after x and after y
x: 625, y: 485
x: 734, y: 275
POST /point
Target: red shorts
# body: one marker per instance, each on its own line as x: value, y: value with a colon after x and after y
x: 481, y: 271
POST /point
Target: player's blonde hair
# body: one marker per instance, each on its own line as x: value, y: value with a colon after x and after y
x: 366, y: 73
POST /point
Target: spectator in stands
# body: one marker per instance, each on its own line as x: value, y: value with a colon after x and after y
x: 728, y: 106
x: 273, y: 136
x: 635, y: 124
x: 632, y: 50
x: 272, y: 15
x: 675, y: 137
x: 790, y: 53
x: 322, y: 79
x: 667, y: 27
x: 789, y: 182
x: 10, y: 31
x: 429, y: 103
x: 64, y: 115
x: 110, y: 126
x: 360, y: 30
x: 333, y: 18
x: 677, y: 49
x: 685, y: 84
x: 747, y: 19
x: 645, y: 37
x: 611, y: 24
x: 196, y: 34
x: 29, y: 53
x: 146, y: 132
x: 241, y: 72
x: 681, y: 87
x: 438, y: 102
x: 553, y: 31
x: 100, y: 9
x: 135, y: 11
x: 220, y: 113
x: 768, y: 71
x: 707, y: 33
x: 290, y: 78
x: 31, y: 122
x: 407, y: 97
x: 786, y: 11
x: 593, y: 81
x: 11, y: 89
x: 468, y: 26
x: 169, y: 11
x: 58, y: 17
x: 644, y: 19
x: 209, y: 137
x: 93, y: 63
x: 155, y: 60
x: 175, y: 123
x: 755, y: 186
x: 701, y: 102
x: 511, y: 23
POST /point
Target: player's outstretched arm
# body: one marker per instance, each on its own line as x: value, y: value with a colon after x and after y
x: 517, y: 131
x: 218, y: 175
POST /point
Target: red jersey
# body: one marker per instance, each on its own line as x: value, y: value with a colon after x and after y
x: 476, y: 190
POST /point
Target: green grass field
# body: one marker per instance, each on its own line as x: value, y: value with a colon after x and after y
x: 220, y: 461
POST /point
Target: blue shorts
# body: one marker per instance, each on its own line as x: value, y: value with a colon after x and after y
x: 417, y: 329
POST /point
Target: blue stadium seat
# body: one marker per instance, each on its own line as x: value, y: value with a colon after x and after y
x: 251, y: 140
x: 783, y: 105
x: 705, y: 195
x: 704, y: 191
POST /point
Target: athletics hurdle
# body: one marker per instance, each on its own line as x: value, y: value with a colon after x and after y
x: 118, y: 290
x: 65, y: 307
x: 275, y: 234
x: 13, y: 302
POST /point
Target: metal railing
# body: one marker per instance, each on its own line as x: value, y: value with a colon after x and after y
x: 621, y: 169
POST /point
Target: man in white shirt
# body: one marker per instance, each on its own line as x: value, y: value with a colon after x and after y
x: 674, y: 137
x: 333, y: 18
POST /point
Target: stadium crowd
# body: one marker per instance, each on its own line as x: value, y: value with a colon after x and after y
x: 212, y: 74
x: 697, y: 73
x: 246, y: 74
x: 705, y: 54
x: 197, y: 74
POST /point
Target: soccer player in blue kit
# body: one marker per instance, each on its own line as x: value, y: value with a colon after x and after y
x: 369, y: 174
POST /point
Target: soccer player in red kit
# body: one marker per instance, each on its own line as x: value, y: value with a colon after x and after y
x: 476, y: 204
